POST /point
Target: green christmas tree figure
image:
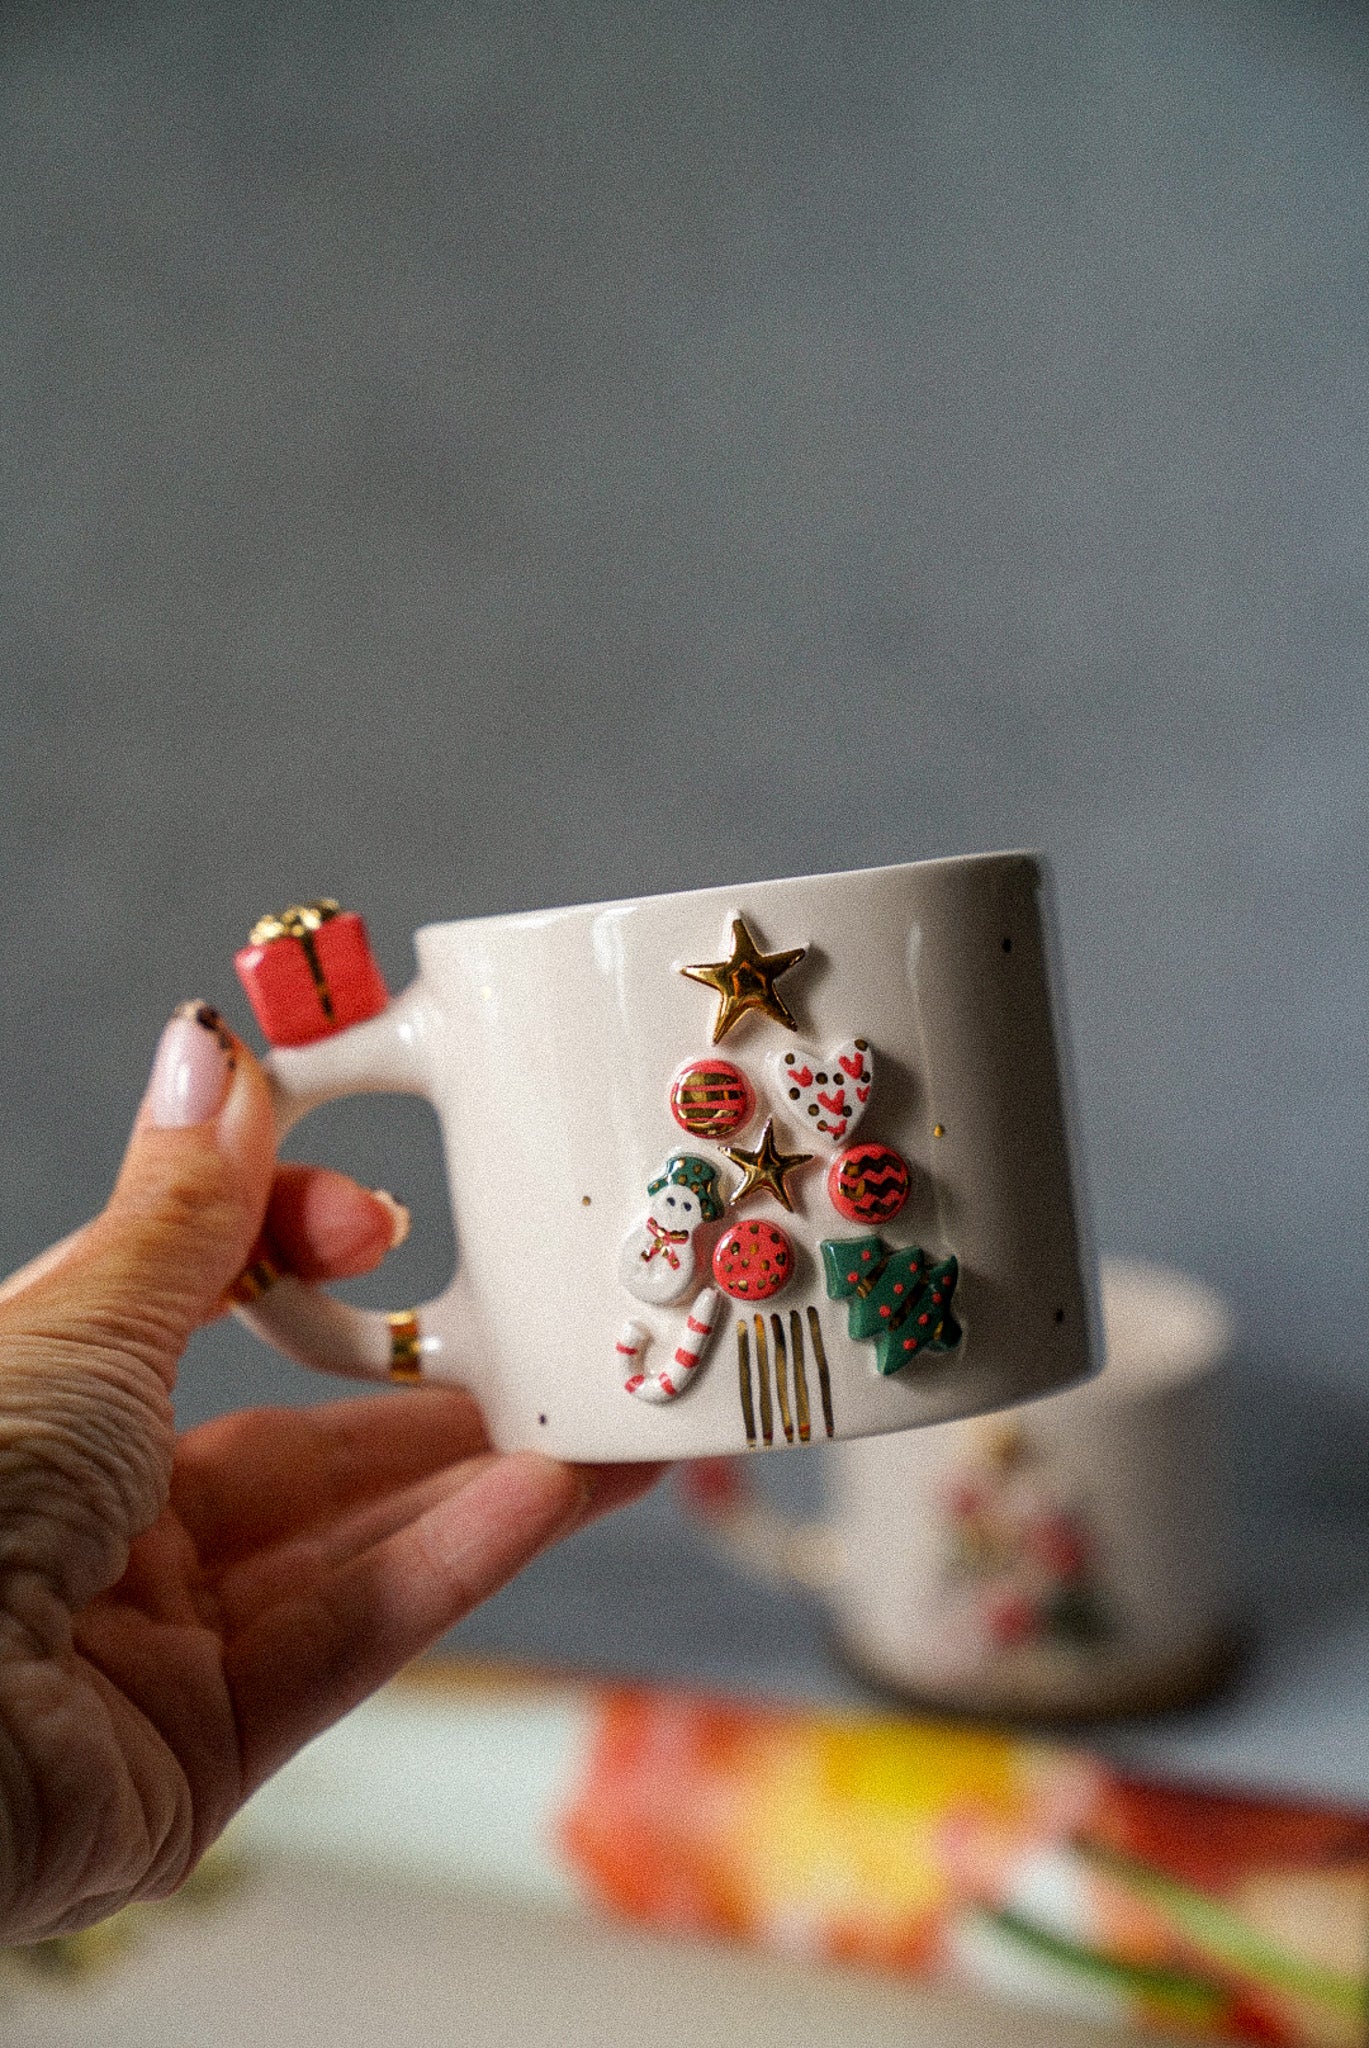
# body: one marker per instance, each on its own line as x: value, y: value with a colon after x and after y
x: 898, y: 1299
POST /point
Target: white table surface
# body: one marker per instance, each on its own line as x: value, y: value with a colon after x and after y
x: 302, y: 1960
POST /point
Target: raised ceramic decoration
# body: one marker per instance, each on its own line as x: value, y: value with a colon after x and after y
x: 766, y: 1168
x: 746, y: 981
x: 310, y: 972
x: 827, y: 1091
x: 668, y: 1382
x: 753, y: 1260
x: 898, y: 1300
x: 688, y: 1170
x: 868, y: 1183
x: 656, y: 1258
x: 711, y: 1099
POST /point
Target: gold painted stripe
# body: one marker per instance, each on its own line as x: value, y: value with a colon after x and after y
x: 325, y: 997
x: 800, y: 1376
x: 254, y: 1280
x: 781, y: 1375
x: 824, y: 1377
x: 763, y: 1375
x: 405, y: 1356
x: 744, y: 1379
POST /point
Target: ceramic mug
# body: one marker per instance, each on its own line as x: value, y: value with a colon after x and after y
x: 741, y: 1167
x: 1070, y: 1559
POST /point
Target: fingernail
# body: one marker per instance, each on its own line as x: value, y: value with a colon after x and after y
x: 196, y: 1055
x: 398, y: 1214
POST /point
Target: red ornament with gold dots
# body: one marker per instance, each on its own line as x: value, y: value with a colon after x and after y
x: 753, y: 1260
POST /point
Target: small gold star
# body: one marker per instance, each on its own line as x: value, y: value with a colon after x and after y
x: 747, y: 980
x: 766, y: 1167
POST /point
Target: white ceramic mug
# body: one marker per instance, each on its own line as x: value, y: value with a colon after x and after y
x: 1071, y: 1559
x: 601, y: 1307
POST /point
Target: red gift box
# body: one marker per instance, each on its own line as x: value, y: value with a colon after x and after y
x: 310, y: 972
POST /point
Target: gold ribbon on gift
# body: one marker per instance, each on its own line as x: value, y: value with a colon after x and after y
x: 406, y: 1346
x: 301, y: 921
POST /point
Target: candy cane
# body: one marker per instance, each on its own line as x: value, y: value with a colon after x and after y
x: 671, y: 1380
x: 632, y: 1339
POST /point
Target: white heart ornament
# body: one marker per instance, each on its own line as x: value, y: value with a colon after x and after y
x: 826, y: 1092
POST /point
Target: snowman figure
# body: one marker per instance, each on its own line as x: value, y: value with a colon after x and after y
x: 656, y: 1261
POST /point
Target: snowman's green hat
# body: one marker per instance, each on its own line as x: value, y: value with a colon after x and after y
x: 700, y: 1176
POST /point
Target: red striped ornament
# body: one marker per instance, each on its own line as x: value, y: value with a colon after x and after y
x: 711, y: 1099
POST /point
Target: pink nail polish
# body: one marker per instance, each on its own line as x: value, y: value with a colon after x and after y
x: 398, y: 1211
x: 194, y: 1066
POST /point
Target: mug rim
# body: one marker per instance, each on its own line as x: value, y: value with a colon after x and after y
x: 1170, y: 1330
x: 531, y: 920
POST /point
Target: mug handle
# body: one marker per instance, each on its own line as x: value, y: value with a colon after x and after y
x: 725, y: 1498
x: 382, y: 1056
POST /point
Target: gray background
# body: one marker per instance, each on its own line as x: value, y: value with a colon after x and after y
x: 463, y: 458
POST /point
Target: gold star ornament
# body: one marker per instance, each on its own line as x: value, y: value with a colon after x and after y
x: 746, y: 981
x: 766, y: 1167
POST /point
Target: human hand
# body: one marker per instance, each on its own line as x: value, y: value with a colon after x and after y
x: 179, y: 1615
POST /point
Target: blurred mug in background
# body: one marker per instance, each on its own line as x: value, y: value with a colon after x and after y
x: 1071, y: 1559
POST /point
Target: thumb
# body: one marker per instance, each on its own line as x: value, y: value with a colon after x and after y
x: 185, y: 1210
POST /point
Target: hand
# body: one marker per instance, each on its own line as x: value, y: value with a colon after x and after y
x: 179, y: 1615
